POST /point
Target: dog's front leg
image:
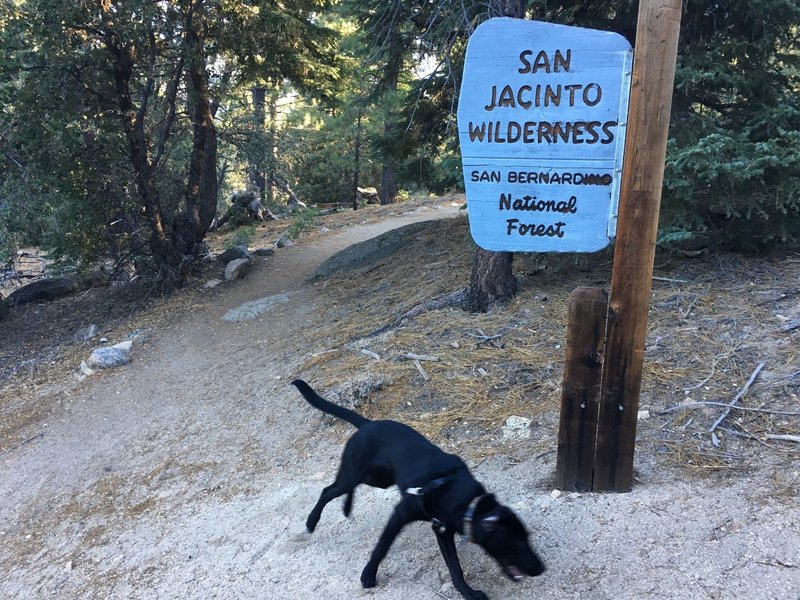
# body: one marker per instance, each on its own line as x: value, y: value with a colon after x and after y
x: 448, y: 547
x: 401, y: 516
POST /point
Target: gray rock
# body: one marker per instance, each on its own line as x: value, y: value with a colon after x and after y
x: 85, y: 333
x: 44, y: 289
x: 236, y: 269
x: 250, y: 310
x: 264, y: 252
x: 140, y: 334
x: 233, y: 253
x: 367, y: 253
x: 517, y: 428
x: 284, y: 242
x: 107, y: 358
x: 212, y: 283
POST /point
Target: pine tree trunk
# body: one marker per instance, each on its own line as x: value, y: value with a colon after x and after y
x: 357, y: 159
x: 392, y: 79
x: 201, y: 198
x: 272, y: 147
x: 256, y: 167
x: 492, y: 279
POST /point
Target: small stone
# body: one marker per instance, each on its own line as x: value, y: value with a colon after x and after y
x: 284, y: 242
x: 85, y: 333
x: 212, y: 284
x: 555, y: 494
x: 107, y: 358
x: 236, y: 268
x: 264, y: 252
x: 141, y: 333
x: 517, y: 428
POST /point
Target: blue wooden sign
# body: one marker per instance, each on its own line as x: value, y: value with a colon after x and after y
x: 541, y: 122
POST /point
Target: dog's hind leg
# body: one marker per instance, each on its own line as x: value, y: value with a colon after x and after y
x: 402, y: 515
x: 331, y: 492
x: 348, y: 504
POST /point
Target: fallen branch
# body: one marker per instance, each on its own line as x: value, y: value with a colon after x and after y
x: 768, y: 411
x: 783, y: 437
x: 791, y: 325
x: 669, y: 279
x: 30, y: 439
x: 421, y: 370
x: 453, y: 299
x: 412, y: 356
x: 738, y: 397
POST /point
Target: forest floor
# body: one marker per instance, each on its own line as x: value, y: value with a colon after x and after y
x: 189, y: 472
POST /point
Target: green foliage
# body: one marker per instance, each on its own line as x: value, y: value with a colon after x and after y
x: 733, y: 163
x: 303, y: 219
x: 99, y: 114
x: 243, y: 236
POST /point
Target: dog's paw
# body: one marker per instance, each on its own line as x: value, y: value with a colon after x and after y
x: 311, y: 524
x: 368, y: 578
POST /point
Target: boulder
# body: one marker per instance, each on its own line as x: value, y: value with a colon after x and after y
x: 284, y: 242
x: 367, y: 253
x: 44, y: 289
x: 234, y: 253
x: 107, y: 358
x: 237, y: 268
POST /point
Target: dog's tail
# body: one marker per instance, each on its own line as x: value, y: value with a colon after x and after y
x: 317, y: 401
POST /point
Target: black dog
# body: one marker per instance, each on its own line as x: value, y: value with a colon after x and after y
x: 435, y: 486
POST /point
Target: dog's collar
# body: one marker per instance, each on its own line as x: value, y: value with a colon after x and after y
x: 469, y: 529
x: 428, y: 487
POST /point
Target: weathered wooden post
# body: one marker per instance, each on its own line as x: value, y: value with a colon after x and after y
x: 637, y: 226
x: 580, y: 394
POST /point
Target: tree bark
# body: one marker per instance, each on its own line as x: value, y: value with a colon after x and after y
x: 272, y: 147
x: 161, y: 243
x: 492, y: 279
x: 201, y: 198
x: 256, y: 168
x: 357, y: 170
x: 394, y: 63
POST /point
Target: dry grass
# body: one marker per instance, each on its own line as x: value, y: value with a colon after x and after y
x: 712, y: 320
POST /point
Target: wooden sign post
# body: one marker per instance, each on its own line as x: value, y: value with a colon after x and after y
x: 613, y: 421
x: 640, y: 199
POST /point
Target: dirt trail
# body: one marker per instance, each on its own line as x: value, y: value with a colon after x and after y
x: 189, y: 473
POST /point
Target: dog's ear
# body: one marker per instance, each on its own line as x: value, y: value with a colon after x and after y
x: 490, y: 516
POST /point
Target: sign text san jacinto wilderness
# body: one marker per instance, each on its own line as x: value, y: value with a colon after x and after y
x: 541, y: 126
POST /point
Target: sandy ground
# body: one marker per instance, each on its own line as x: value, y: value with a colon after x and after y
x: 189, y: 474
